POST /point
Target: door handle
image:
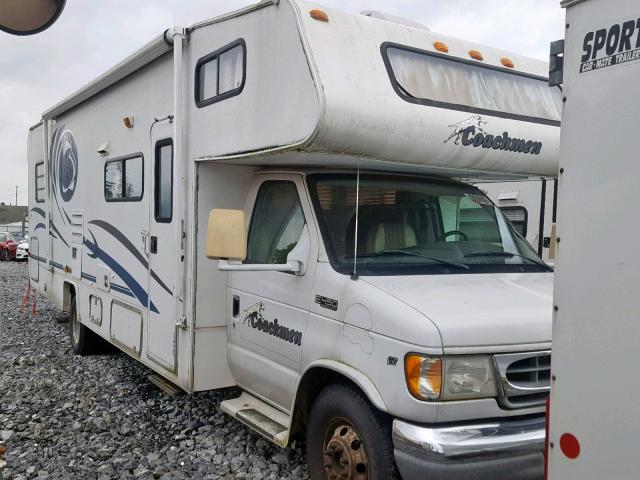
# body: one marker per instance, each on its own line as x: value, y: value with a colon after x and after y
x: 236, y: 306
x: 154, y: 244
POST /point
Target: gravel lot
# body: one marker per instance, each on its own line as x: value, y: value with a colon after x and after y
x: 69, y: 417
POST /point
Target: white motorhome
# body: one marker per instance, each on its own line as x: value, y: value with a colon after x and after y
x: 593, y: 420
x: 377, y: 303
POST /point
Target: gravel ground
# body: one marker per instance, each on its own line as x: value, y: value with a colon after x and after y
x: 97, y: 417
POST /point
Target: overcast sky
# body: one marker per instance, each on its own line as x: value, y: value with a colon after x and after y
x: 91, y: 36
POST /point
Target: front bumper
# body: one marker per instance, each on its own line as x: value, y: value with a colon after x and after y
x: 501, y: 450
x: 22, y: 255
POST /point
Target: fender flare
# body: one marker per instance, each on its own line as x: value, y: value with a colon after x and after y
x: 356, y: 376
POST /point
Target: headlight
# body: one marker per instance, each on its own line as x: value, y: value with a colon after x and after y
x: 449, y: 378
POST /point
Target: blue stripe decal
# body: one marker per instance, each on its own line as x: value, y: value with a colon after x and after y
x: 115, y: 287
x: 38, y: 259
x: 121, y: 237
x: 56, y: 265
x: 39, y: 226
x: 123, y: 290
x: 127, y: 278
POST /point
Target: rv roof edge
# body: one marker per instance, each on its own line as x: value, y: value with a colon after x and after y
x: 154, y: 49
x: 569, y: 3
x: 236, y: 13
x: 394, y: 18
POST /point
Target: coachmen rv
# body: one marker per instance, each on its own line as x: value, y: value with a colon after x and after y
x: 273, y: 199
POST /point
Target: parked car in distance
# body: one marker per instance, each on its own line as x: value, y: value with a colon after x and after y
x: 22, y: 253
x: 8, y: 246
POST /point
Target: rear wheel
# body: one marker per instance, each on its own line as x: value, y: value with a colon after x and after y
x: 4, y: 255
x: 83, y: 340
x: 348, y: 439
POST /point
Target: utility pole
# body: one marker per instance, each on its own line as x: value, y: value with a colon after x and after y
x: 16, y: 195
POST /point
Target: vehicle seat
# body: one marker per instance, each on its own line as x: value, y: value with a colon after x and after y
x: 390, y: 236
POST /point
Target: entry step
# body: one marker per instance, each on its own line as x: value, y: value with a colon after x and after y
x: 165, y: 385
x: 269, y: 422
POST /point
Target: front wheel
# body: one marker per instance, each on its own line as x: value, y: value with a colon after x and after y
x: 348, y: 439
x: 4, y: 255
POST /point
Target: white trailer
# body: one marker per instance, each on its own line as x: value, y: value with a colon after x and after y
x: 594, y: 421
x: 376, y: 303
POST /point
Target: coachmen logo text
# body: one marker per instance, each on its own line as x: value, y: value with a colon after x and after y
x: 470, y: 132
x: 615, y: 45
x: 253, y: 317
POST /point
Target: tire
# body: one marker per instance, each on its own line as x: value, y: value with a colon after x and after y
x: 351, y: 435
x: 4, y: 255
x: 83, y: 340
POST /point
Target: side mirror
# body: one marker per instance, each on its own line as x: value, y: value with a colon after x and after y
x: 26, y: 17
x: 227, y: 235
x: 297, y: 259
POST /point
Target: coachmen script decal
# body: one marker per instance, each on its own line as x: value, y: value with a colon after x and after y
x: 253, y: 317
x: 471, y: 132
x: 615, y: 45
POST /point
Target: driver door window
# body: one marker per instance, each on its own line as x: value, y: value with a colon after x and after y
x: 276, y: 224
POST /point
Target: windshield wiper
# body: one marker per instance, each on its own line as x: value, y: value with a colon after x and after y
x: 507, y: 255
x: 414, y: 254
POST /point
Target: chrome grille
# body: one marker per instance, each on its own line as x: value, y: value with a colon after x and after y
x: 525, y: 379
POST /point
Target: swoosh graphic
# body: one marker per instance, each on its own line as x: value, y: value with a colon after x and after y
x: 118, y: 235
x: 127, y: 278
x: 55, y: 229
x: 39, y: 211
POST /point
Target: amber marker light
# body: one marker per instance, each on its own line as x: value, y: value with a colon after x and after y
x: 476, y: 55
x: 441, y: 47
x: 319, y: 15
x: 424, y: 376
x: 507, y: 62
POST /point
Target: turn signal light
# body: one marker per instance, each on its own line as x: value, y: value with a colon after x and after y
x: 319, y: 15
x: 424, y: 376
x: 507, y: 62
x: 476, y: 55
x: 441, y: 47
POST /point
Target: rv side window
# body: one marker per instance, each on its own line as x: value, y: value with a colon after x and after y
x: 40, y: 184
x: 221, y: 74
x: 519, y: 217
x: 164, y: 181
x: 437, y: 80
x: 123, y: 179
x: 276, y: 224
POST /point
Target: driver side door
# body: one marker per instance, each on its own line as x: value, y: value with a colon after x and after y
x: 270, y: 310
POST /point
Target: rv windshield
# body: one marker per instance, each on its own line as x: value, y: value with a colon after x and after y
x: 414, y: 225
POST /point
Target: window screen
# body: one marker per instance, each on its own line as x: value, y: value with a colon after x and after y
x: 277, y: 223
x: 123, y: 179
x: 519, y: 217
x: 221, y: 74
x: 164, y: 181
x: 433, y: 79
x: 40, y: 182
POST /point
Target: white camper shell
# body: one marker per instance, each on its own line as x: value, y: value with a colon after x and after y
x: 336, y: 140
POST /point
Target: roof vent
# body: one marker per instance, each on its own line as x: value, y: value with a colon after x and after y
x: 395, y: 19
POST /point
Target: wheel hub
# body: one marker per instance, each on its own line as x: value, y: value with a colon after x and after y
x: 345, y: 457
